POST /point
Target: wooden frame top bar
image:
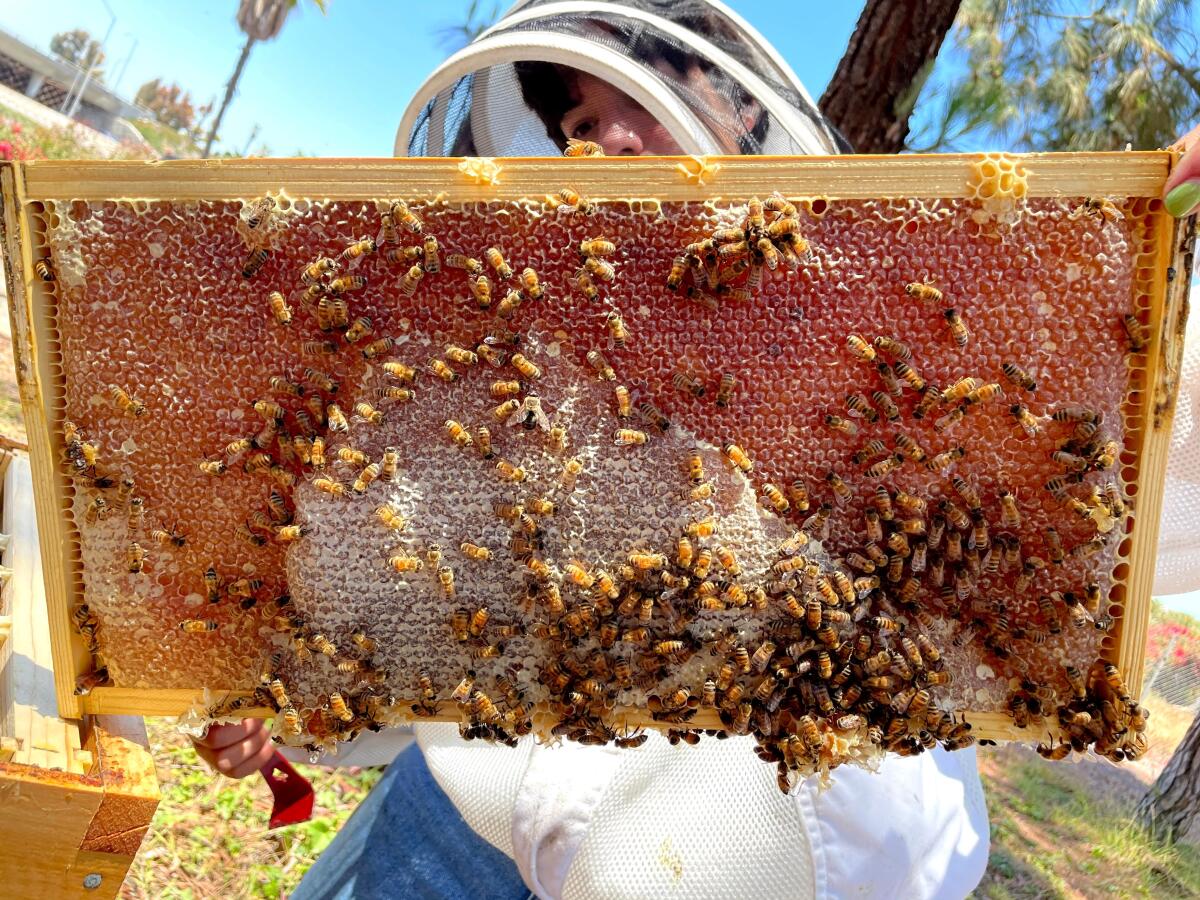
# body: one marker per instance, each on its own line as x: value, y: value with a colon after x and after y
x: 1133, y: 174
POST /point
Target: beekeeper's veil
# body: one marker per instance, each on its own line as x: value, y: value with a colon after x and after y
x: 502, y: 94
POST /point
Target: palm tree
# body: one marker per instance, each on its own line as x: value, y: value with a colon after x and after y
x: 260, y: 20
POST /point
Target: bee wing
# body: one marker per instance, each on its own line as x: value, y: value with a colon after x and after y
x: 539, y: 416
x: 517, y: 417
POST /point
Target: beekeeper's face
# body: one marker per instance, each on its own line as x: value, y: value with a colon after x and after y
x: 615, y: 121
x: 623, y: 127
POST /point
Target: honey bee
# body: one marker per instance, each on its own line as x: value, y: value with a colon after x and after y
x: 432, y: 260
x: 601, y: 366
x: 285, y: 534
x: 798, y: 494
x: 841, y: 491
x: 687, y: 383
x: 530, y: 415
x: 96, y: 510
x: 127, y: 404
x: 923, y: 291
x: 737, y: 456
x: 627, y: 437
x: 198, y: 626
x: 583, y: 281
x: 320, y: 381
x: 525, y: 367
x: 776, y: 498
x: 945, y: 459
x: 401, y: 563
x: 909, y: 375
x: 679, y: 269
x: 255, y: 261
x: 617, y: 331
x: 1136, y: 332
x: 135, y: 557
x: 316, y: 270
x: 43, y: 270
x: 885, y: 466
x: 578, y: 148
x: 859, y: 406
x: 1101, y: 208
x: 495, y: 259
x: 654, y: 416
x: 329, y: 486
x: 599, y: 268
x: 887, y: 406
x: 1076, y: 414
x: 368, y: 413
x: 580, y: 204
x: 958, y: 329
x: 510, y: 304
x: 390, y: 517
x: 888, y: 376
x: 1107, y: 456
x: 930, y: 397
x: 1026, y: 419
x: 344, y: 283
x: 860, y: 348
x: 509, y: 472
x: 837, y: 423
x: 570, y: 473
x: 318, y: 348
x: 983, y: 393
x: 402, y: 215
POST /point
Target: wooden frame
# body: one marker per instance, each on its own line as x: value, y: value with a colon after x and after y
x: 78, y: 796
x: 1134, y: 175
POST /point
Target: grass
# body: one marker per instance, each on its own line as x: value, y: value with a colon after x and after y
x: 209, y: 837
x: 1050, y: 838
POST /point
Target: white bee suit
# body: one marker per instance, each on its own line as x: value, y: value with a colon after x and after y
x: 598, y: 823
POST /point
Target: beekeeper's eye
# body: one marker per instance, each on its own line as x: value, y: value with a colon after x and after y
x: 580, y: 128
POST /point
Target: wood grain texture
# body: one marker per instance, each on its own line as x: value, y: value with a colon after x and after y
x: 835, y: 177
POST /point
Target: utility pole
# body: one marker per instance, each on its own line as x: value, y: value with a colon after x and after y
x: 87, y: 78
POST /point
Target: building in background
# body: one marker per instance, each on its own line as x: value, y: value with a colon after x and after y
x: 48, y: 80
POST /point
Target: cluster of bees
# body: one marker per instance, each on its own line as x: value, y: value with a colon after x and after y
x: 846, y: 657
x: 729, y: 264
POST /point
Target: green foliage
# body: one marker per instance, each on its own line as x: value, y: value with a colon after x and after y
x: 171, y: 105
x: 1036, y: 75
x: 80, y: 48
x: 476, y: 20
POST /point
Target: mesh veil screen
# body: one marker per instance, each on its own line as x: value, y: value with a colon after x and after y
x: 510, y: 101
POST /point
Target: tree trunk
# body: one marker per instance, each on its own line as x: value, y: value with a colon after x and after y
x: 872, y: 92
x: 1173, y: 800
x: 229, y: 89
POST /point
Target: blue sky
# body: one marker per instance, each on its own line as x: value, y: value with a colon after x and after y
x: 336, y: 85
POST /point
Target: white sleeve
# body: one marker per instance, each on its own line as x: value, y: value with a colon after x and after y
x: 1178, y: 567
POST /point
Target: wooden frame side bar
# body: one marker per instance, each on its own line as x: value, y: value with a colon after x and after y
x: 30, y: 307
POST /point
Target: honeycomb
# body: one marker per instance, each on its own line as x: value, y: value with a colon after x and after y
x: 741, y: 549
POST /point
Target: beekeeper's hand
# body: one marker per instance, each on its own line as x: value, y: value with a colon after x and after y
x: 1181, y: 194
x: 236, y: 750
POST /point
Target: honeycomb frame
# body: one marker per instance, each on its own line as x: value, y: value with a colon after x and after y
x: 25, y: 187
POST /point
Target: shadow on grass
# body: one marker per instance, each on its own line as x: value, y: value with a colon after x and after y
x: 1067, y: 831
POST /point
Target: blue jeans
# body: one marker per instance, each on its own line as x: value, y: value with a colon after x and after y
x: 407, y: 840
